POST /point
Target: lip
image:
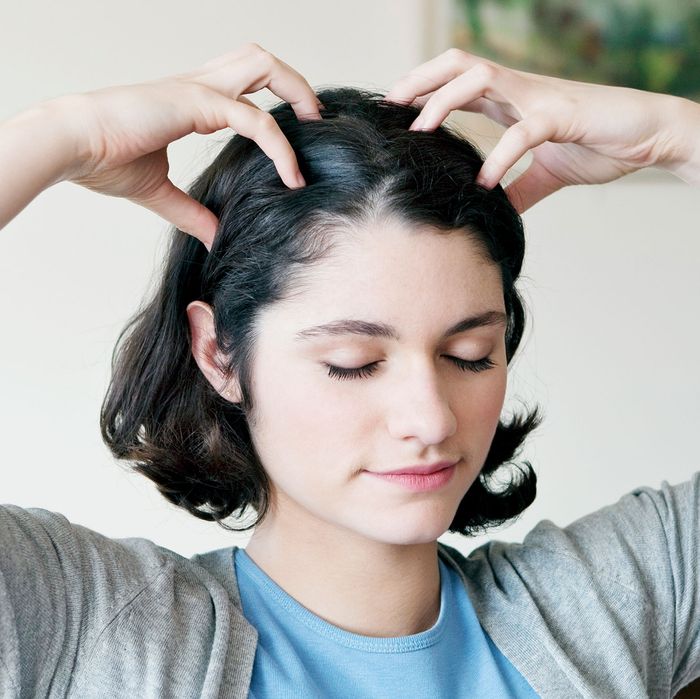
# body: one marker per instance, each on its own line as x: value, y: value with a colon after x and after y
x: 419, y: 482
x: 417, y: 470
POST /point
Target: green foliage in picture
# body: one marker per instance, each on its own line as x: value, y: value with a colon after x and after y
x: 652, y: 45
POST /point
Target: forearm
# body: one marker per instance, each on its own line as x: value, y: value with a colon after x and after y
x: 682, y: 157
x: 37, y: 150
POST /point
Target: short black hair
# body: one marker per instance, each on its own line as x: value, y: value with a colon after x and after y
x: 359, y: 161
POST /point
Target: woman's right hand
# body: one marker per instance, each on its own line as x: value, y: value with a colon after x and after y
x: 122, y: 132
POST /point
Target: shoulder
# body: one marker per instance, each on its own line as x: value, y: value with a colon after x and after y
x: 72, y: 597
x: 35, y: 539
x: 643, y: 538
x: 626, y: 573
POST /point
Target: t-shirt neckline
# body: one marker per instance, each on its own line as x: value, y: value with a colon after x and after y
x: 244, y: 564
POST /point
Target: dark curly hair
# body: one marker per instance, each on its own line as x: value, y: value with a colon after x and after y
x: 359, y: 161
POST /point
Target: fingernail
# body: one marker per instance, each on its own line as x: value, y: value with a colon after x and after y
x: 300, y: 180
x: 418, y: 124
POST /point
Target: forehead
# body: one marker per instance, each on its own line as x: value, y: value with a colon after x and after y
x: 391, y: 255
x: 397, y: 273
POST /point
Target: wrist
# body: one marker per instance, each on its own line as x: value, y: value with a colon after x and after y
x: 53, y: 126
x: 68, y: 114
x: 681, y: 155
x: 39, y: 147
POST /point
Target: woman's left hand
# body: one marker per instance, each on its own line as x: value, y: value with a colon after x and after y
x: 579, y: 133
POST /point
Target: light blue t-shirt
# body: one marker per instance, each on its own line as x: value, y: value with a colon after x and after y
x: 299, y: 654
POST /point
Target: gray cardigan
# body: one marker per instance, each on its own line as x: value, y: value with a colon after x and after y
x: 606, y: 607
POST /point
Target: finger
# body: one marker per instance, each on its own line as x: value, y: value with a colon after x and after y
x: 253, y: 68
x: 260, y: 126
x: 481, y: 105
x: 420, y: 101
x: 175, y: 206
x: 412, y: 86
x: 245, y: 100
x: 493, y: 110
x: 513, y: 144
x: 532, y: 186
x: 480, y: 81
x: 432, y: 74
x: 293, y: 88
x: 250, y: 103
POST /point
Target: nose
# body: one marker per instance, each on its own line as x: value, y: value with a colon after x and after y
x: 419, y: 406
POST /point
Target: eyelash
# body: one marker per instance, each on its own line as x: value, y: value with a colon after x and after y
x: 363, y: 372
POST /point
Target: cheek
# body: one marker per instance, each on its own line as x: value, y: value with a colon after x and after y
x: 314, y: 407
x: 300, y: 422
x: 480, y: 409
x: 494, y: 394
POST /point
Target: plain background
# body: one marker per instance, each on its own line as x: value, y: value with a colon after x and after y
x: 609, y: 280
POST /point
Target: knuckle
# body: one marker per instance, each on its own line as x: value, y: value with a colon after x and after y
x: 485, y: 71
x: 252, y: 47
x: 266, y: 123
x: 264, y: 58
x: 455, y: 56
x: 521, y: 135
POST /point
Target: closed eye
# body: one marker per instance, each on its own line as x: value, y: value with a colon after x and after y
x: 363, y: 372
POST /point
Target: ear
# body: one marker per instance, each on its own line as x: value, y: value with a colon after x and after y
x: 206, y: 353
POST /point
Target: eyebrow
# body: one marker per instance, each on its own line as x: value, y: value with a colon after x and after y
x: 348, y: 326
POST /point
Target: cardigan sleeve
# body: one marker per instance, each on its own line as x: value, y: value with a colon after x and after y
x: 649, y: 542
x: 60, y: 585
x: 86, y: 615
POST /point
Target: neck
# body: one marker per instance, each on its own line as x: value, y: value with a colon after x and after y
x: 363, y: 586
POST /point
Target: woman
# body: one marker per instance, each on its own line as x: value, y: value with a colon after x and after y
x: 347, y: 314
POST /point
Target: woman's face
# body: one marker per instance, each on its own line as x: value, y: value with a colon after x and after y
x: 317, y: 435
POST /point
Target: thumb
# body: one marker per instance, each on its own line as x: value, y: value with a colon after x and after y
x: 172, y: 204
x: 532, y: 186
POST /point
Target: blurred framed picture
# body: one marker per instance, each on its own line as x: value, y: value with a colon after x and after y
x: 646, y: 44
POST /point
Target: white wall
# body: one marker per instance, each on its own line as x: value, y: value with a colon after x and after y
x: 609, y: 273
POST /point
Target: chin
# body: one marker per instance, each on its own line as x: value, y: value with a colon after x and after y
x: 420, y: 535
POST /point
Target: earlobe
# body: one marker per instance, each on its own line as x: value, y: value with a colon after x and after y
x: 206, y: 352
